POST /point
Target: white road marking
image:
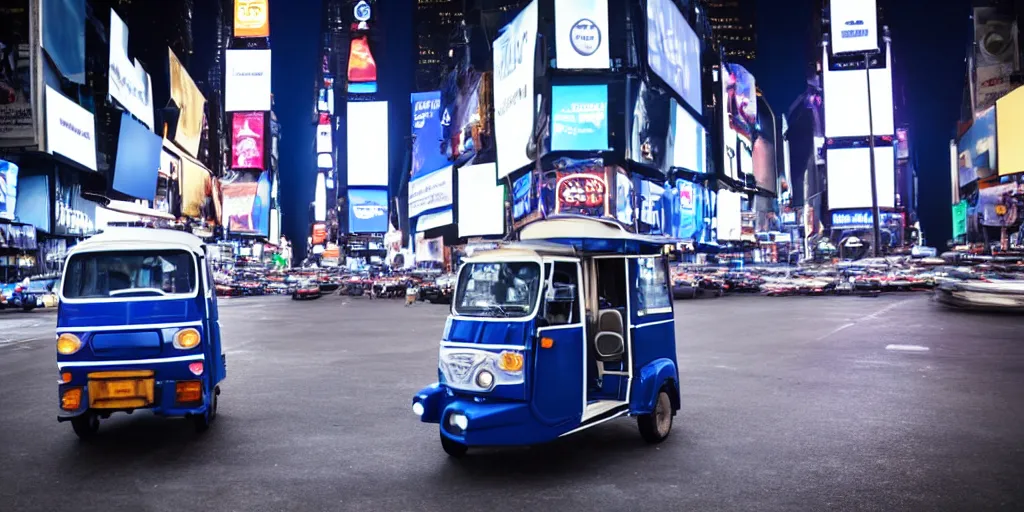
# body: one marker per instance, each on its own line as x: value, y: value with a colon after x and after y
x: 837, y: 329
x: 907, y: 348
x: 871, y: 316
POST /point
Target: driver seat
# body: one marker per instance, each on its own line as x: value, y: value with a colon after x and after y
x: 609, y: 342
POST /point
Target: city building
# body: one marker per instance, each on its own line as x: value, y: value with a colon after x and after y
x: 437, y: 22
x: 734, y: 24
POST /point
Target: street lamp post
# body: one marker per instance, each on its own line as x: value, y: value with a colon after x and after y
x: 875, y: 215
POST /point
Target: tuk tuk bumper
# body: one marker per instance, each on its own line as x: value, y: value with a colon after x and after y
x: 166, y: 373
x: 473, y: 423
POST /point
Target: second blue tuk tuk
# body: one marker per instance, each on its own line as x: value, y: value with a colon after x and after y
x: 138, y: 329
x: 569, y: 328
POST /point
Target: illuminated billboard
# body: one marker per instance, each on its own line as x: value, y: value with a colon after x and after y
x: 854, y: 25
x: 367, y: 154
x: 673, y: 51
x: 127, y: 82
x: 579, y: 117
x: 846, y: 102
x: 728, y: 215
x: 690, y: 147
x: 362, y: 68
x: 514, y: 54
x: 741, y: 100
x: 248, y: 147
x: 367, y: 210
x: 581, y: 34
x: 246, y: 80
x: 976, y: 151
x: 1010, y: 132
x: 191, y: 104
x: 849, y: 177
x: 252, y: 18
x: 70, y: 130
x: 481, y: 202
x: 246, y: 202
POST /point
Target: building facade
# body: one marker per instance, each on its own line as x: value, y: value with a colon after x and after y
x: 734, y: 23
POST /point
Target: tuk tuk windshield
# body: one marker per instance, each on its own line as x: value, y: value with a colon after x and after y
x: 498, y: 290
x: 111, y: 274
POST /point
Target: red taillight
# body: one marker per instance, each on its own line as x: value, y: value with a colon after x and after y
x: 196, y: 368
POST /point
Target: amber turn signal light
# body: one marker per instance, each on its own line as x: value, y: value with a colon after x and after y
x: 547, y: 343
x: 71, y: 399
x: 188, y: 391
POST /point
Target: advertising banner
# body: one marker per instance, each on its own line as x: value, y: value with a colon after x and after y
x: 429, y: 249
x: 73, y: 215
x: 995, y: 56
x: 324, y: 161
x: 689, y: 141
x: 367, y: 153
x: 742, y: 100
x: 137, y: 162
x: 17, y: 122
x: 624, y: 200
x: 581, y: 34
x: 63, y: 23
x: 977, y: 148
x: 319, y: 233
x: 200, y: 195
x: 849, y: 177
x: 673, y: 51
x: 128, y: 83
x: 902, y: 144
x: 70, y: 130
x: 246, y: 80
x: 246, y: 202
x: 523, y: 199
x: 362, y: 67
x: 650, y: 125
x: 730, y: 220
x: 854, y: 26
x: 846, y: 101
x: 248, y: 147
x: 688, y: 212
x: 959, y: 219
x: 1009, y: 121
x: 579, y: 117
x: 481, y: 202
x: 514, y: 61
x: 324, y: 140
x: 34, y: 202
x: 427, y: 145
x: 8, y: 189
x: 649, y: 201
x: 765, y: 174
x: 367, y: 210
x: 252, y: 18
x: 325, y: 101
x: 464, y: 118
x: 863, y: 218
x: 18, y: 236
x: 582, y: 193
x: 168, y: 196
x: 998, y: 204
x: 190, y: 102
x: 431, y: 192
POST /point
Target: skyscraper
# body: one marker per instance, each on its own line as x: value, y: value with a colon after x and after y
x: 436, y: 22
x: 734, y: 23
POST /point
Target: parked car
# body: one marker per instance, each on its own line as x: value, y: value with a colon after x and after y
x: 307, y: 290
x: 440, y: 290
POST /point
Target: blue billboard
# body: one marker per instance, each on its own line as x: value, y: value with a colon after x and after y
x: 138, y: 159
x: 522, y: 197
x: 427, y: 153
x: 579, y: 117
x: 367, y: 210
x: 689, y: 208
x: 8, y: 189
x: 977, y: 149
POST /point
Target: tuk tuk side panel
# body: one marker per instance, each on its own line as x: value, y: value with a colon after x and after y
x: 215, y: 349
x: 558, y: 379
x: 652, y: 332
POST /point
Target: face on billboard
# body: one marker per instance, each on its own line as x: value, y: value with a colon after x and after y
x: 70, y: 130
x: 849, y: 177
x: 247, y: 149
x: 854, y: 25
x: 1009, y: 113
x: 190, y: 102
x: 247, y: 80
x: 846, y: 102
x: 581, y: 34
x: 251, y: 18
x: 368, y: 143
x: 579, y: 117
x: 367, y: 211
x: 673, y: 51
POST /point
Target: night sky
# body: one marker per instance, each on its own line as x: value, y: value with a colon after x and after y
x: 929, y: 65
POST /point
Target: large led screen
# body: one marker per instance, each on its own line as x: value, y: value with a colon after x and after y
x: 63, y: 24
x: 746, y: 158
x: 248, y: 147
x: 689, y: 210
x: 514, y: 53
x: 625, y: 211
x: 251, y: 18
x: 649, y: 131
x: 730, y: 220
x: 127, y: 81
x: 367, y: 154
x: 427, y: 142
x: 324, y: 141
x: 138, y: 159
x: 246, y: 202
x: 854, y: 25
x: 431, y: 191
x: 481, y: 202
x: 976, y: 151
x: 583, y: 192
x: 362, y: 68
x: 849, y: 177
x: 765, y: 173
x: 959, y: 219
x: 690, y: 141
x: 579, y: 117
x: 581, y: 34
x: 367, y: 210
x: 246, y: 80
x: 191, y: 104
x: 846, y: 102
x: 742, y: 100
x: 997, y: 204
x: 673, y: 51
x: 8, y: 189
x: 1010, y: 127
x: 70, y: 130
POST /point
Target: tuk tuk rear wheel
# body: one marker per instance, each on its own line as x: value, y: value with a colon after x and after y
x: 656, y: 426
x: 454, y: 449
x: 86, y: 426
x: 203, y: 421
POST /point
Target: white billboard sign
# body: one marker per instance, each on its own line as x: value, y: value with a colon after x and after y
x: 846, y: 102
x: 849, y: 177
x: 246, y: 80
x: 514, y: 56
x: 70, y: 130
x: 127, y: 82
x: 367, y: 155
x: 431, y: 191
x: 581, y: 34
x: 854, y: 26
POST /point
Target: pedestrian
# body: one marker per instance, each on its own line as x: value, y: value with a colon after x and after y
x: 410, y: 294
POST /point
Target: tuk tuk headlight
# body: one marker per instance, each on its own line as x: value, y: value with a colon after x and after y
x: 485, y: 379
x: 186, y: 339
x: 68, y: 344
x: 510, y: 361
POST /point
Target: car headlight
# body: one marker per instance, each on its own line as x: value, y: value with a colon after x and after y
x: 186, y: 339
x: 485, y: 379
x: 68, y: 344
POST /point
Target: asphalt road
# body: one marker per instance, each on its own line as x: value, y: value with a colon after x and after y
x: 788, y: 404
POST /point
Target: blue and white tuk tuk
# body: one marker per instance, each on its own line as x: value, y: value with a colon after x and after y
x: 137, y: 328
x: 568, y: 328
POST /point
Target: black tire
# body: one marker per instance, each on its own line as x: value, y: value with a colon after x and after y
x: 656, y: 426
x: 202, y: 422
x: 86, y: 426
x: 454, y: 449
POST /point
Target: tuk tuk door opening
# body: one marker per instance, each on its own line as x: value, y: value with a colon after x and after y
x: 609, y: 343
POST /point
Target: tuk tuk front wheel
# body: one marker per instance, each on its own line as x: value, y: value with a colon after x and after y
x: 656, y: 426
x: 454, y: 449
x: 86, y: 426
